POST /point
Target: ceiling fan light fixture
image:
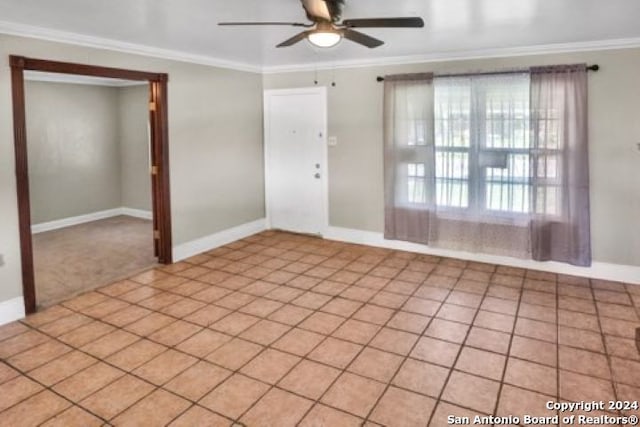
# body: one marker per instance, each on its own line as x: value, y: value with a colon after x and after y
x: 324, y: 38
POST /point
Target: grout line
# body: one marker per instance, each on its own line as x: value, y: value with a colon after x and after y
x: 455, y: 361
x: 508, y: 353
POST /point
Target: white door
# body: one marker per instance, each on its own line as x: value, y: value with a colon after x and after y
x: 295, y: 159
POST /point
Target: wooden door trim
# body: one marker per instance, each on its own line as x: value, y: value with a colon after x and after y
x: 159, y: 141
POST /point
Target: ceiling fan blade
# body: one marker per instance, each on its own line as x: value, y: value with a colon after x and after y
x: 295, y: 39
x: 384, y: 23
x: 290, y: 24
x: 361, y: 38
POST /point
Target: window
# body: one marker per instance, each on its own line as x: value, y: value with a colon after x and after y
x: 484, y: 162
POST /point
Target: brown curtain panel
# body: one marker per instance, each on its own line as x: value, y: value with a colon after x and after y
x: 560, y: 225
x: 408, y: 156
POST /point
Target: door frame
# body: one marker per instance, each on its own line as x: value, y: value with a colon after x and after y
x: 324, y: 170
x: 158, y: 121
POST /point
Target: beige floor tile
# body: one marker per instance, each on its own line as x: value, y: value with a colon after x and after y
x: 234, y: 354
x: 309, y: 379
x: 436, y: 351
x: 203, y: 343
x: 7, y: 373
x: 158, y: 408
x: 534, y: 350
x: 290, y: 315
x: 441, y: 415
x: 584, y: 362
x: 117, y: 396
x: 577, y: 387
x: 207, y: 315
x: 39, y: 355
x: 17, y: 390
x: 335, y: 352
x: 35, y: 410
x: 265, y: 332
x: 21, y: 342
x: 324, y: 416
x: 353, y: 394
x: 322, y: 323
x: 74, y: 416
x: 110, y: 343
x: 279, y: 408
x: 421, y: 377
x: 234, y: 396
x: 270, y: 366
x: 481, y: 363
x: 197, y: 380
x: 394, y: 341
x: 84, y: 383
x: 235, y: 323
x: 164, y: 367
x: 298, y: 341
x: 487, y: 339
x: 376, y: 364
x: 356, y: 331
x: 626, y: 371
x: 409, y: 322
x: 62, y: 367
x: 532, y: 376
x: 136, y: 354
x: 198, y: 416
x: 446, y: 330
x: 516, y: 401
x: 403, y: 408
x: 471, y: 392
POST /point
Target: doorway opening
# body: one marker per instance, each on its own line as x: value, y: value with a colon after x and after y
x: 159, y: 223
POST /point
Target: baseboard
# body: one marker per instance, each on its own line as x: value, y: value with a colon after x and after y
x: 207, y: 243
x: 12, y: 309
x: 136, y: 213
x: 598, y: 270
x: 94, y: 216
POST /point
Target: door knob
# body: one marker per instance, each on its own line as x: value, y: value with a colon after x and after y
x: 317, y: 176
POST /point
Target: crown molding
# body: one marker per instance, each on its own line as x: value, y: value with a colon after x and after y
x: 628, y: 43
x: 23, y: 30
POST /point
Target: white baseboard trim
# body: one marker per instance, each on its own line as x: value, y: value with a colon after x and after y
x: 598, y: 270
x: 12, y: 309
x: 94, y: 216
x: 207, y: 243
x: 136, y: 213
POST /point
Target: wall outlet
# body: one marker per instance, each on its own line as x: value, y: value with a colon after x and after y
x: 332, y: 141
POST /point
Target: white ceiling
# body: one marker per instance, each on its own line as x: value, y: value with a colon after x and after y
x: 454, y: 28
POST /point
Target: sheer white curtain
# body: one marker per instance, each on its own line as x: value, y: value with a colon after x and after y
x: 482, y: 163
x: 408, y: 156
x: 560, y: 225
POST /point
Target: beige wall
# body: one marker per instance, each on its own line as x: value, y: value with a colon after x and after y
x: 355, y: 164
x: 133, y: 133
x: 73, y: 149
x: 215, y: 137
x: 88, y: 149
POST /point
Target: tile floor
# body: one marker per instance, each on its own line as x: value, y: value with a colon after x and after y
x: 281, y: 330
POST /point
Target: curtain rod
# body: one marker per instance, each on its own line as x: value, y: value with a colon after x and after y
x: 594, y: 67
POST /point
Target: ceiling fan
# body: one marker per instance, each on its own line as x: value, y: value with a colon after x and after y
x: 326, y: 30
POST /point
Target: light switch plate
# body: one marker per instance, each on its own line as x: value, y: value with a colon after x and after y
x: 332, y: 141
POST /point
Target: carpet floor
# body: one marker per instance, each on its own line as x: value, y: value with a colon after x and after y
x: 79, y: 258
